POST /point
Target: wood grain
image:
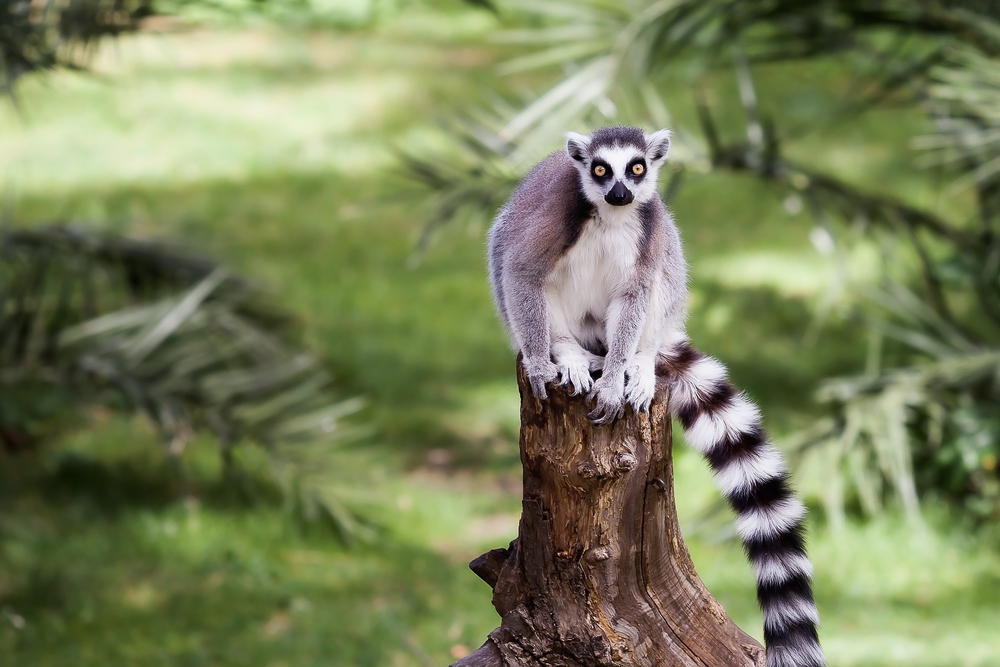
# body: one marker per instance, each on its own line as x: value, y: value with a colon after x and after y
x: 599, y: 574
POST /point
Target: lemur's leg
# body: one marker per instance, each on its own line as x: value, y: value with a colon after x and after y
x: 625, y: 324
x: 573, y: 362
x: 524, y: 299
x: 640, y: 373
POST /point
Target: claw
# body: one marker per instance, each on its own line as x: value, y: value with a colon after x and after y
x: 574, y: 372
x: 602, y: 415
x: 606, y: 412
x: 582, y: 384
x: 609, y: 400
x: 540, y: 372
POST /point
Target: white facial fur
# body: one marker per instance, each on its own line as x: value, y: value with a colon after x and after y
x: 618, y: 158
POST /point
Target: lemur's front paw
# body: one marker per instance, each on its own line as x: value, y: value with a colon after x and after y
x: 609, y: 399
x: 540, y: 372
x: 574, y: 369
x: 640, y: 384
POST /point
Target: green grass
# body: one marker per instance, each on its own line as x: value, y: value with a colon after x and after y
x: 274, y: 151
x: 107, y: 568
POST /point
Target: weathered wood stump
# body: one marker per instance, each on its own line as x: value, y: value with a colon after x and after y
x: 599, y: 574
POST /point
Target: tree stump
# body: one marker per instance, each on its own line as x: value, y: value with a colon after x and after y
x: 599, y: 574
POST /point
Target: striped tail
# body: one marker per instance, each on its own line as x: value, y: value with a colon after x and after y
x: 725, y: 427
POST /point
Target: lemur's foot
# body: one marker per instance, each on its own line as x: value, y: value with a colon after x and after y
x: 596, y: 361
x: 540, y: 372
x: 574, y: 370
x: 640, y: 383
x: 609, y: 396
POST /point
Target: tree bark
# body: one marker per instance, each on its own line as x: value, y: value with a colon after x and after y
x: 599, y: 574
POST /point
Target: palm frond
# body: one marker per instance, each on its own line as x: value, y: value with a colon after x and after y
x: 468, y: 183
x: 908, y: 429
x: 141, y: 325
x: 43, y: 35
x: 962, y: 100
x: 607, y: 51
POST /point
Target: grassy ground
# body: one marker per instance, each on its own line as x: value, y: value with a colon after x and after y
x: 274, y: 151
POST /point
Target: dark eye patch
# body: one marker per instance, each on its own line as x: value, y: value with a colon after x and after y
x: 630, y: 169
x: 600, y: 163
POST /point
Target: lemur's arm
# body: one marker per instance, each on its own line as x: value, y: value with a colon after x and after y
x: 526, y: 242
x: 527, y: 312
x: 626, y: 319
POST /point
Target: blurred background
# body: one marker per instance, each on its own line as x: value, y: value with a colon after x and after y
x: 255, y: 405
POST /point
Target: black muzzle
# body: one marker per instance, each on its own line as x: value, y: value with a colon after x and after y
x: 619, y: 195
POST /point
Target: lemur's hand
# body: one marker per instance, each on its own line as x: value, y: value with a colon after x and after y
x: 609, y: 396
x: 540, y: 372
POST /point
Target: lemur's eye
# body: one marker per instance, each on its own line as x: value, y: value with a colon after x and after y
x: 599, y: 170
x: 637, y: 169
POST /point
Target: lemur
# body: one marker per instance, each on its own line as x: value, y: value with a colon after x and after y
x: 588, y: 274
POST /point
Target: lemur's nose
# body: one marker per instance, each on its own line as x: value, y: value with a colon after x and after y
x: 619, y: 195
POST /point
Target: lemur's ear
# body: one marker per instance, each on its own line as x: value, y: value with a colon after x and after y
x: 576, y: 146
x: 658, y: 145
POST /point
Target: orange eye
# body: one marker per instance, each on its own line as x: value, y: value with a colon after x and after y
x: 600, y: 170
x: 637, y: 169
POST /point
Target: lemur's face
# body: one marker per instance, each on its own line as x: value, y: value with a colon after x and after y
x: 619, y: 165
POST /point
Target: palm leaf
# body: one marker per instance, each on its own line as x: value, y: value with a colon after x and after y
x: 42, y: 35
x: 137, y: 323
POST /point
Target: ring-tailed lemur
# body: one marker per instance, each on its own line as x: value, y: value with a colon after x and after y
x: 588, y: 273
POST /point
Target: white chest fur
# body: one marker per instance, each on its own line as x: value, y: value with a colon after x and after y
x: 595, y: 270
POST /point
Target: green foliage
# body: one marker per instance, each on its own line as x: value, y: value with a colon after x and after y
x: 469, y: 183
x: 338, y: 14
x: 929, y: 429
x: 88, y: 319
x: 42, y: 35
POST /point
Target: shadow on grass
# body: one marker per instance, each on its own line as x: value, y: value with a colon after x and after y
x: 128, y: 477
x: 111, y: 487
x: 103, y: 562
